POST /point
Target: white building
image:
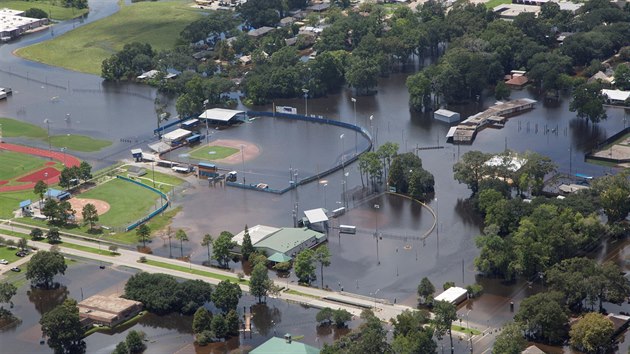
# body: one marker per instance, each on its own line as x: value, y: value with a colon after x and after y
x: 13, y: 24
x: 453, y: 295
x: 446, y: 116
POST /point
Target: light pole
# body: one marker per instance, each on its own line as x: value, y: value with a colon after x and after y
x: 377, y: 207
x: 243, y: 162
x: 47, y: 121
x: 305, y: 90
x: 374, y: 297
x: 324, y: 185
x: 372, y: 132
x: 63, y: 151
x: 356, y: 141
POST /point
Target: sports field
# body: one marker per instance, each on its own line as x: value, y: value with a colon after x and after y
x: 15, y: 164
x: 212, y: 152
x: 14, y: 128
x: 128, y: 202
x: 79, y: 142
x: 85, y: 48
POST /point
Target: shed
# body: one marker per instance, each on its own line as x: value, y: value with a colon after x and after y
x: 277, y: 345
x: 136, y: 171
x: 316, y: 215
x: 446, y: 116
x: 57, y: 194
x: 453, y: 295
x: 136, y: 154
x: 25, y: 204
x: 176, y: 136
x: 190, y: 124
x: 222, y: 116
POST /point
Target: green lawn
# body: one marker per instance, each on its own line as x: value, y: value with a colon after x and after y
x: 212, y: 152
x: 85, y: 48
x: 79, y: 142
x: 9, y: 201
x: 186, y: 269
x: 461, y: 329
x: 55, y: 12
x: 12, y: 128
x: 104, y: 251
x: 14, y: 164
x: 494, y: 3
x: 128, y: 202
x: 163, y: 182
x: 8, y: 254
x: 157, y: 223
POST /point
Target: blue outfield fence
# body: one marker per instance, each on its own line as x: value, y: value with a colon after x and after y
x: 306, y: 180
x: 155, y: 212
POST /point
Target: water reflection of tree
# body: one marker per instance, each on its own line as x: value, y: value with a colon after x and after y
x: 264, y: 318
x: 327, y: 330
x: 47, y: 299
x: 585, y: 135
x: 466, y: 212
x: 173, y: 321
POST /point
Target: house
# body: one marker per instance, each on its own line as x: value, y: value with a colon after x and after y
x: 601, y: 77
x: 259, y: 32
x: 319, y: 7
x: 172, y: 73
x: 277, y: 345
x: 509, y: 12
x: 616, y: 96
x: 446, y: 116
x: 287, y: 21
x: 532, y: 349
x: 517, y: 82
x: 108, y: 310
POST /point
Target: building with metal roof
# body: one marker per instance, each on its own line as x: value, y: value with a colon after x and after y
x: 259, y: 32
x: 176, y: 136
x: 57, y: 194
x: 256, y: 233
x: 290, y: 241
x: 277, y: 345
x: 453, y: 295
x: 222, y: 116
x: 446, y: 116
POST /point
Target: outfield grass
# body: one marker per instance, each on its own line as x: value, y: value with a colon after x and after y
x: 85, y: 48
x: 212, y: 152
x: 163, y: 182
x: 494, y: 3
x: 79, y: 142
x: 14, y: 164
x: 157, y: 223
x: 128, y: 202
x: 55, y: 12
x: 12, y: 128
x: 9, y: 201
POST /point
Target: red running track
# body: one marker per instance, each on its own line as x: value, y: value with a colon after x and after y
x: 67, y: 160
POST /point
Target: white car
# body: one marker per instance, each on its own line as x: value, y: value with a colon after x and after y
x: 4, y: 261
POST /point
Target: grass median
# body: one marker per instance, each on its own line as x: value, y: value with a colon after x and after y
x: 85, y: 48
x: 465, y: 330
x: 185, y: 269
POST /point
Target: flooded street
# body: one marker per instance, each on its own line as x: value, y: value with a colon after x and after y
x: 125, y: 111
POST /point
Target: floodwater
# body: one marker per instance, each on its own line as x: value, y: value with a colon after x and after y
x: 125, y: 111
x: 165, y: 334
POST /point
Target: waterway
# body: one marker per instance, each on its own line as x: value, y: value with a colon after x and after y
x: 125, y: 111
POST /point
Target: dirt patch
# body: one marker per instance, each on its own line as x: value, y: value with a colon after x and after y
x: 250, y: 150
x: 41, y: 175
x: 77, y: 204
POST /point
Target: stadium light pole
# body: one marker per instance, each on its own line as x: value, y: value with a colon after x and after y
x: 377, y: 207
x: 47, y: 121
x: 305, y: 90
x: 243, y: 162
x: 356, y: 137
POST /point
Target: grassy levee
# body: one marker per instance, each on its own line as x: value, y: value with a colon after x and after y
x: 85, y: 48
x: 12, y: 128
x: 55, y: 12
x: 79, y: 142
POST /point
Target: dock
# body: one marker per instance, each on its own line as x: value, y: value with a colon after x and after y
x: 495, y: 116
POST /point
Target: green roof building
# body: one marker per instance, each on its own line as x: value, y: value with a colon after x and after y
x: 277, y: 345
x: 290, y: 241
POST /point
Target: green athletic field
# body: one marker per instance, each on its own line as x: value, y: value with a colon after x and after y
x: 79, y: 143
x: 14, y: 128
x: 212, y: 153
x: 14, y: 164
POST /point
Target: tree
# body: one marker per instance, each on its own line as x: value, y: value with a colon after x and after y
x: 219, y: 327
x: 502, y: 91
x: 134, y: 342
x: 510, y: 340
x: 411, y: 335
x: 543, y: 317
x: 34, y: 12
x: 445, y: 314
x: 90, y: 214
x: 43, y: 267
x: 121, y: 348
x: 322, y: 256
x: 157, y: 292
x: 421, y: 183
x: 181, y: 236
x: 51, y: 209
x: 259, y: 282
x: 232, y: 322
x: 471, y: 169
x: 143, y: 232
x: 226, y: 296
x: 113, y: 249
x: 419, y: 87
x: 85, y: 171
x: 592, y: 333
x: 247, y: 248
x: 22, y: 244
x: 192, y: 294
x: 63, y: 328
x: 588, y: 102
x: 221, y: 248
x: 613, y: 195
x: 340, y: 317
x: 37, y: 234
x: 304, y: 268
x: 402, y: 167
x: 425, y: 289
x: 207, y: 241
x: 622, y: 77
x: 7, y: 291
x: 53, y: 235
x: 325, y: 315
x: 202, y: 321
x: 40, y: 189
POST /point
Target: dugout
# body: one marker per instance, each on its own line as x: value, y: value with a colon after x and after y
x: 206, y: 170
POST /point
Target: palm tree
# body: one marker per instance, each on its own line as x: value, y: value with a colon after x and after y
x: 181, y: 236
x: 207, y: 241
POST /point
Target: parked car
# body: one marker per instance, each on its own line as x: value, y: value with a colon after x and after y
x: 21, y: 254
x: 4, y: 261
x: 16, y: 269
